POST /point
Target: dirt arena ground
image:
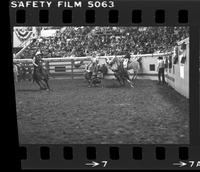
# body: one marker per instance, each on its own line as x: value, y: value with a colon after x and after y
x: 74, y: 113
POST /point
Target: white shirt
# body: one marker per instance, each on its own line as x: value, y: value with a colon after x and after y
x: 160, y: 64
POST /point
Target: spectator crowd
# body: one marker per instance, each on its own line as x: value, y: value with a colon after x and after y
x: 84, y: 41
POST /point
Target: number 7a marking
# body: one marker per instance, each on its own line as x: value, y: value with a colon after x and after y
x: 105, y: 163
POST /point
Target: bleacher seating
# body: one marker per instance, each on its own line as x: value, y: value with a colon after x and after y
x: 83, y: 41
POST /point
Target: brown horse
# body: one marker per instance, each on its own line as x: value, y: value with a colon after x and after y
x: 116, y: 64
x: 132, y: 64
x: 93, y: 73
x: 41, y: 77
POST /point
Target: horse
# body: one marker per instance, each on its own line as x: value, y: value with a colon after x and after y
x: 132, y: 64
x: 120, y: 73
x: 103, y: 69
x: 41, y: 77
x: 93, y: 73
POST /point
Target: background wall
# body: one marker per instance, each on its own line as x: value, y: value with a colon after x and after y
x: 178, y: 75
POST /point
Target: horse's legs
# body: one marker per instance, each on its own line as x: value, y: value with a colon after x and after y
x: 131, y: 83
x: 123, y: 77
x: 124, y: 81
x: 134, y: 75
x: 42, y: 83
x: 47, y: 84
x: 127, y: 78
x: 88, y: 78
x: 118, y: 78
x: 39, y: 84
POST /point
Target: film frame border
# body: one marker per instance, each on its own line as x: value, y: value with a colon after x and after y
x: 149, y: 160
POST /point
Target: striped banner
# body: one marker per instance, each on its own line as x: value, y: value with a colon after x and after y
x: 23, y: 33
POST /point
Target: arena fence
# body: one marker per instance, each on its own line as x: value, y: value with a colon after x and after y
x: 64, y: 66
x: 177, y: 76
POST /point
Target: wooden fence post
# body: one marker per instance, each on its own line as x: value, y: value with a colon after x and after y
x: 72, y: 69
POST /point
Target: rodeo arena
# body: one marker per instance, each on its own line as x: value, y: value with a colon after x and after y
x: 102, y: 85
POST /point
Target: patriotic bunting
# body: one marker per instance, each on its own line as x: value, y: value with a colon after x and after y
x: 23, y: 33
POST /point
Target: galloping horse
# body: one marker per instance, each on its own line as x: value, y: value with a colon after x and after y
x: 41, y: 76
x: 121, y: 68
x: 116, y: 65
x: 132, y: 64
x: 92, y: 73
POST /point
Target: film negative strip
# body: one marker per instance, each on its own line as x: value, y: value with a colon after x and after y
x: 106, y: 84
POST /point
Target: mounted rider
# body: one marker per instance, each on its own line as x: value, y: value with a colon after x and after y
x: 37, y: 62
x: 93, y: 65
x: 127, y: 58
x: 38, y: 70
x: 40, y: 75
x: 92, y: 71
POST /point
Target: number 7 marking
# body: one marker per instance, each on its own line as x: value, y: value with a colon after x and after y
x: 105, y: 163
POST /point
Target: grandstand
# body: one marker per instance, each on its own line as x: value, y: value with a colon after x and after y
x: 83, y: 41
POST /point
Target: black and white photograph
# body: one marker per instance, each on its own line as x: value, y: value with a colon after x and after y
x: 102, y: 85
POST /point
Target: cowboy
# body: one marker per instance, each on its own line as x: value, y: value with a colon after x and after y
x: 161, y: 70
x: 37, y: 60
x: 96, y: 74
x: 127, y: 58
x: 93, y: 71
x: 89, y: 69
x: 95, y: 65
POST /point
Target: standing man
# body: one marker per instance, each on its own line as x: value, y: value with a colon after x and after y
x: 161, y: 70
